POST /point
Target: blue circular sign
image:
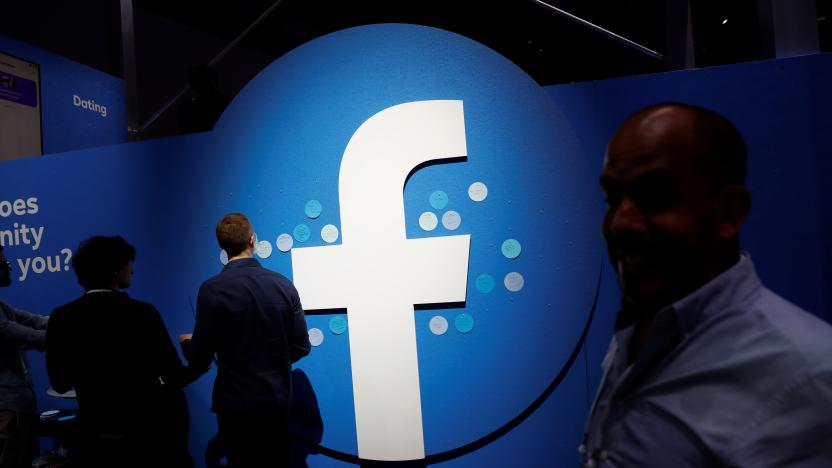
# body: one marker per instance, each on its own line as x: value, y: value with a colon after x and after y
x: 438, y: 200
x: 313, y: 209
x: 301, y: 233
x: 485, y: 283
x: 464, y: 323
x: 338, y: 324
x: 309, y: 104
x: 511, y: 248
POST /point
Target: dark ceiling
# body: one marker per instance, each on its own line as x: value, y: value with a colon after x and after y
x: 549, y: 47
x: 172, y: 36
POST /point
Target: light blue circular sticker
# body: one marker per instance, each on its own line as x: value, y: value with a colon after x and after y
x: 329, y: 233
x: 514, y: 281
x: 316, y: 336
x: 284, y: 242
x: 428, y: 221
x: 438, y: 325
x: 477, y: 191
x: 263, y: 249
x: 301, y: 233
x: 438, y: 200
x: 451, y: 220
x: 511, y: 248
x: 484, y: 283
x: 313, y: 209
x: 337, y: 324
x: 464, y: 323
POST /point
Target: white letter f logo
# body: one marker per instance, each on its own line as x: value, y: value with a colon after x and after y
x: 378, y: 274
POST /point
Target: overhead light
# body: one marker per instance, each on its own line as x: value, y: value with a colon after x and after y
x: 725, y: 21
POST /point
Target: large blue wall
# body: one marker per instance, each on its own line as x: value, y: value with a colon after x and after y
x: 539, y: 151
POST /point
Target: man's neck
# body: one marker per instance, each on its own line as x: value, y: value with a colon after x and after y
x: 244, y: 254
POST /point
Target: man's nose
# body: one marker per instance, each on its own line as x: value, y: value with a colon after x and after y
x: 626, y: 219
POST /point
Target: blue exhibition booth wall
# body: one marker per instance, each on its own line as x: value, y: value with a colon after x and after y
x: 511, y: 379
x: 80, y: 107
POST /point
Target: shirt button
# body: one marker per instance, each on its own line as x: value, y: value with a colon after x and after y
x: 590, y: 463
x: 582, y: 449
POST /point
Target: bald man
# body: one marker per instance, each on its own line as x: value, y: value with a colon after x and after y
x: 707, y: 367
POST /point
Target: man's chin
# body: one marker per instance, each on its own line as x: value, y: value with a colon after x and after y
x: 645, y: 294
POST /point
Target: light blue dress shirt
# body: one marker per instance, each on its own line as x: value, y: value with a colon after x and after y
x: 731, y: 375
x: 19, y: 331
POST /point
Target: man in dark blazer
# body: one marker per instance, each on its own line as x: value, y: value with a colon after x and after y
x: 252, y: 319
x: 117, y: 354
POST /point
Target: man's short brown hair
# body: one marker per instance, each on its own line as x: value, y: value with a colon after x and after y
x: 233, y: 233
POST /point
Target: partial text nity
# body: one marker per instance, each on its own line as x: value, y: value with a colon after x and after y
x: 15, y: 232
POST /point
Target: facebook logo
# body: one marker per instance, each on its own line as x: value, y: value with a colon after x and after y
x: 378, y: 274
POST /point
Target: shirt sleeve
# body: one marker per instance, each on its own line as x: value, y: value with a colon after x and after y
x: 795, y: 428
x: 58, y: 357
x: 22, y: 329
x: 199, y: 351
x: 166, y: 359
x: 299, y: 345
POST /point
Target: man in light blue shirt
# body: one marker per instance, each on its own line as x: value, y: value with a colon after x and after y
x: 707, y: 367
x: 19, y: 331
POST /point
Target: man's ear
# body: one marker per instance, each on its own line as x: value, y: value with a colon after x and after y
x: 251, y: 242
x: 736, y: 204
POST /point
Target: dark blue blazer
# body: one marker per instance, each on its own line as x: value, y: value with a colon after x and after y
x: 252, y: 319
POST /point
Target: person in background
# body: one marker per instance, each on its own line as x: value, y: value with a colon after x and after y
x: 252, y: 319
x: 117, y: 354
x: 19, y: 331
x: 707, y: 367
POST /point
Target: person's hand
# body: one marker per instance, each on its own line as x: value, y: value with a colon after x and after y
x: 185, y: 337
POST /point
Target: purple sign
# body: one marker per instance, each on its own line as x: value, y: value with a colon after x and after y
x: 16, y: 89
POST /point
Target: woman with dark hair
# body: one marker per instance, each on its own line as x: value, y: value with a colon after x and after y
x: 117, y: 354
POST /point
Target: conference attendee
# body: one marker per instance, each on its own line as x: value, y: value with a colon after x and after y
x: 252, y: 320
x: 707, y: 367
x: 19, y: 331
x: 116, y: 353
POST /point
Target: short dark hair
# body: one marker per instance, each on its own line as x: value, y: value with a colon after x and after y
x: 233, y: 233
x: 725, y: 154
x: 98, y: 258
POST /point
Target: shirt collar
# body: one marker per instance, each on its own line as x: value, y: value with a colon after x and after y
x: 727, y: 288
x: 242, y: 263
x: 719, y: 295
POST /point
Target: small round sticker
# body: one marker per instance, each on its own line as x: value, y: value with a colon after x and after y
x: 451, y: 220
x: 428, y: 221
x: 301, y: 233
x: 464, y: 323
x: 438, y: 200
x: 484, y: 283
x: 264, y: 249
x: 477, y: 191
x: 313, y: 209
x: 316, y: 336
x: 223, y: 257
x: 514, y: 281
x: 511, y: 248
x: 284, y: 242
x: 438, y: 325
x: 329, y: 233
x: 337, y: 324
